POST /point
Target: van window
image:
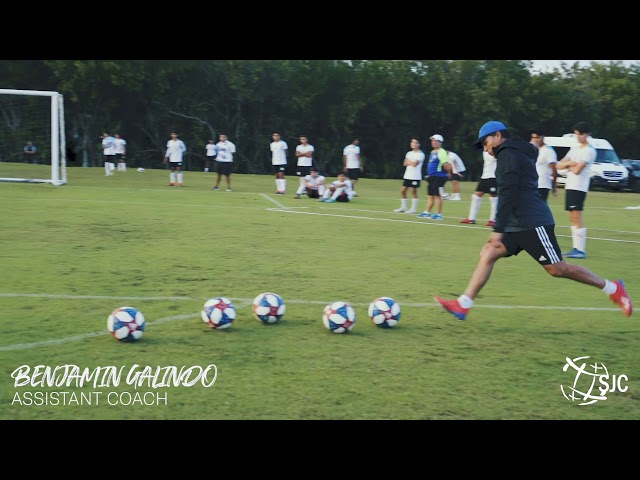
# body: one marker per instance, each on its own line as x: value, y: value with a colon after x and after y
x: 607, y: 156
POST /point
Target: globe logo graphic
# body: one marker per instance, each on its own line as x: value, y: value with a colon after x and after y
x: 585, y: 387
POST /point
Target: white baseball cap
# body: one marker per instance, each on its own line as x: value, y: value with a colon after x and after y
x: 436, y: 137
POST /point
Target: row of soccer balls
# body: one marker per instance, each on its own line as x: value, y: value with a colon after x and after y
x: 128, y: 323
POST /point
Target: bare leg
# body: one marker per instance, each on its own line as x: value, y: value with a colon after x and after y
x: 493, y: 250
x: 576, y: 273
x: 438, y: 199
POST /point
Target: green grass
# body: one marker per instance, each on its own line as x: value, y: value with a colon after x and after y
x: 69, y: 255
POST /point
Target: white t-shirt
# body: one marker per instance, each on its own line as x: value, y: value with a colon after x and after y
x: 352, y: 152
x: 318, y: 180
x: 175, y: 149
x: 119, y: 144
x: 226, y: 150
x: 414, y: 173
x: 456, y: 162
x: 305, y: 161
x: 278, y: 155
x: 546, y: 156
x: 348, y: 187
x: 489, y: 168
x: 586, y: 154
x: 109, y: 144
x: 211, y: 149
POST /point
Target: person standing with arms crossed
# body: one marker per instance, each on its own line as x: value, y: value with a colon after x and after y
x: 545, y: 165
x: 578, y: 160
x: 279, y: 151
x: 173, y: 155
x: 211, y: 154
x: 224, y: 160
x: 109, y: 153
x: 524, y: 222
x: 487, y: 184
x: 457, y: 172
x: 412, y: 162
x: 120, y: 145
x: 304, y: 152
x: 438, y: 171
x: 352, y: 163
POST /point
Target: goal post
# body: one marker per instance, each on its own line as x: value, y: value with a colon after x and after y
x: 29, y: 119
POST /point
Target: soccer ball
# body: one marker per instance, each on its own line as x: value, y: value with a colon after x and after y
x: 141, y: 170
x: 218, y: 313
x: 126, y: 324
x: 384, y: 312
x: 339, y: 317
x: 268, y: 307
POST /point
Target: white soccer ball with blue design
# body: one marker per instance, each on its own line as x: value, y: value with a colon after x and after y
x: 268, y: 307
x: 339, y: 317
x: 384, y: 312
x: 126, y: 324
x: 218, y: 313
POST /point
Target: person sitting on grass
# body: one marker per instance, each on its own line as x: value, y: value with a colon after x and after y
x: 340, y: 190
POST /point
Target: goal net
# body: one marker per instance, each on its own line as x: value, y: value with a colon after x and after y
x: 32, y: 141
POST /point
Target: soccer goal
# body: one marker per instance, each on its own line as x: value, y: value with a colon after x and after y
x: 32, y: 140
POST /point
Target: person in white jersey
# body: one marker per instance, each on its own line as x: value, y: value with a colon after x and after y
x: 173, y: 155
x: 224, y: 160
x: 314, y: 185
x: 545, y: 165
x: 108, y: 153
x: 352, y: 162
x: 120, y: 146
x: 578, y: 160
x: 304, y: 153
x: 340, y: 190
x: 412, y: 162
x: 211, y: 154
x: 489, y: 185
x: 457, y: 173
x: 279, y: 151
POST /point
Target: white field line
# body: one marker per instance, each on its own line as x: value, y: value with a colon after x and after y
x: 238, y: 302
x: 274, y: 201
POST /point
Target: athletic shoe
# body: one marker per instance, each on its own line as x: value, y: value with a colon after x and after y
x: 437, y: 216
x: 621, y: 298
x: 424, y: 215
x: 322, y: 200
x: 576, y: 254
x: 228, y: 190
x: 466, y: 220
x: 331, y: 200
x: 297, y: 195
x: 412, y: 211
x: 453, y: 307
x: 215, y: 188
x: 445, y: 196
x: 279, y: 193
x: 172, y: 184
x: 573, y: 251
x: 490, y: 223
x: 400, y: 210
x: 180, y: 185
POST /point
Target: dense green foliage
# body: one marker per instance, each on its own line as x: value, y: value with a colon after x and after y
x: 383, y: 102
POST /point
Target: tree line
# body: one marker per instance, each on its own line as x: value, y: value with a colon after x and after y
x: 381, y: 102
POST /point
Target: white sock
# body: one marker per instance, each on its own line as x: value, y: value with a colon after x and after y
x: 441, y: 191
x: 609, y: 287
x: 300, y: 190
x: 180, y: 176
x: 277, y: 184
x: 581, y: 233
x: 494, y: 207
x: 107, y: 171
x: 337, y: 193
x: 206, y: 169
x: 112, y: 166
x: 124, y: 167
x: 284, y: 184
x: 414, y: 204
x: 321, y: 189
x: 475, y: 207
x: 464, y: 301
x: 574, y: 237
x: 403, y: 203
x: 172, y: 177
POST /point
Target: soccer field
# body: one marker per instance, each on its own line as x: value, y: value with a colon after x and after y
x: 72, y: 254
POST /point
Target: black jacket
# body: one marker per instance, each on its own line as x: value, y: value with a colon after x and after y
x: 520, y: 206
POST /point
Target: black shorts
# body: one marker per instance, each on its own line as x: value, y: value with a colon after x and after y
x: 353, y: 173
x: 544, y: 193
x: 488, y: 185
x: 343, y: 198
x: 174, y: 165
x: 574, y: 200
x: 278, y: 168
x: 120, y: 157
x: 303, y: 171
x: 456, y: 177
x: 411, y: 183
x: 540, y: 243
x: 224, y: 168
x: 109, y: 158
x: 312, y: 193
x: 435, y: 182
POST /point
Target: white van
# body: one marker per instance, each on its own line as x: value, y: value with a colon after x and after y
x: 607, y: 171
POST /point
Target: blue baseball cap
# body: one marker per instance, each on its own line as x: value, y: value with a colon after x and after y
x: 487, y: 129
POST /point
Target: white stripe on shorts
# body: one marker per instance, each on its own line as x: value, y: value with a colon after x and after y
x: 548, y: 246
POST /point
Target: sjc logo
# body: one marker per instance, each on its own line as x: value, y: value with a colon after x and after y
x: 589, y: 377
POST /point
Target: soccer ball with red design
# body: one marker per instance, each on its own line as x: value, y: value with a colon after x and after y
x: 126, y: 324
x: 384, y: 312
x: 268, y: 307
x: 339, y: 317
x: 218, y: 313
